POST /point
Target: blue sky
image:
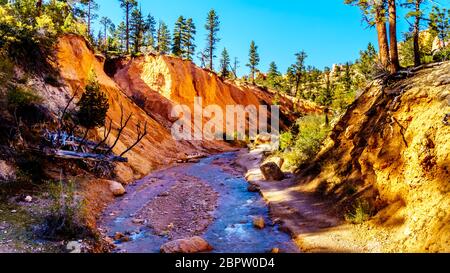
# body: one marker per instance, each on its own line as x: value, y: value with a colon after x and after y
x: 329, y: 31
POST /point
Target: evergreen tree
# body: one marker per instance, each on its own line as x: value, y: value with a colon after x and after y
x: 150, y: 34
x: 212, y: 27
x: 188, y: 39
x: 225, y: 64
x: 127, y: 6
x: 137, y: 30
x: 440, y: 23
x: 107, y: 24
x: 298, y: 70
x: 177, y: 36
x: 121, y: 36
x: 367, y: 62
x: 374, y: 12
x: 89, y: 13
x: 93, y: 105
x: 416, y: 12
x: 253, y: 60
x: 273, y: 76
x: 163, y: 38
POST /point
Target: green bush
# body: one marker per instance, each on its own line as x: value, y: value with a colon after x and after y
x: 442, y: 55
x: 359, y: 213
x: 312, y: 132
x: 93, y: 105
x: 65, y: 220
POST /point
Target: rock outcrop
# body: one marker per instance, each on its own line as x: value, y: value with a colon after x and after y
x: 391, y: 150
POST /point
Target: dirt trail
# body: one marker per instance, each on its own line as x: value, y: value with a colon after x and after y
x: 309, y: 220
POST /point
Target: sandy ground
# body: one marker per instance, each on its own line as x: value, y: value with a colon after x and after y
x: 308, y: 219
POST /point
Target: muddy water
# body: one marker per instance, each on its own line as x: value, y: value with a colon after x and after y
x: 232, y: 230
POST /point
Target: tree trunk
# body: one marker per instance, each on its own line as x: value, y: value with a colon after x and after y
x: 127, y: 35
x: 416, y: 34
x: 394, y: 64
x: 382, y: 37
x: 39, y: 7
x: 89, y: 19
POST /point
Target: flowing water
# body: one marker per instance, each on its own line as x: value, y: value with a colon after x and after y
x: 232, y: 231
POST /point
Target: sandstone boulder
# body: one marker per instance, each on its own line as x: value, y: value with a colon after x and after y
x: 190, y: 245
x: 259, y: 222
x: 272, y: 172
x: 116, y: 188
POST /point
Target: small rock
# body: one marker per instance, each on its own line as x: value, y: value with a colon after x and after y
x: 189, y: 245
x: 253, y: 188
x: 259, y: 222
x: 120, y: 237
x: 73, y: 247
x: 116, y: 188
x: 13, y: 211
x: 138, y: 221
x: 272, y: 172
x: 28, y: 199
x: 275, y: 250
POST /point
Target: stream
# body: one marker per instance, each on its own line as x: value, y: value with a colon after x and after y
x: 232, y: 229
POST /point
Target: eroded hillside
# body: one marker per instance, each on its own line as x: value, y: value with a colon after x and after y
x: 390, y: 151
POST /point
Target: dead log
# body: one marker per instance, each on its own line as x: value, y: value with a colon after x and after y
x: 88, y: 156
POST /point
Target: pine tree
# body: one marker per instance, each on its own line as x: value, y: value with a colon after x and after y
x: 150, y: 34
x: 188, y: 39
x: 177, y: 36
x: 440, y: 23
x: 93, y: 105
x: 235, y: 67
x: 273, y: 76
x: 107, y: 24
x: 121, y: 35
x: 367, y: 62
x: 416, y: 12
x: 212, y: 27
x: 137, y: 30
x: 89, y: 13
x: 298, y: 70
x: 374, y: 12
x: 163, y: 38
x: 128, y: 6
x: 225, y: 64
x: 253, y: 60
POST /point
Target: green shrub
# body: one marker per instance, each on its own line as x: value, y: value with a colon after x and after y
x: 312, y: 132
x: 93, y: 105
x: 359, y: 213
x: 442, y: 55
x: 65, y: 220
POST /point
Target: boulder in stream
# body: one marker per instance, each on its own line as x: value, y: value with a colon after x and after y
x: 190, y: 245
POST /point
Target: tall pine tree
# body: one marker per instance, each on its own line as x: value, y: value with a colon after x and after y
x: 127, y: 6
x: 253, y: 60
x: 212, y: 27
x: 188, y: 39
x: 163, y: 38
x: 225, y: 64
x: 177, y: 36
